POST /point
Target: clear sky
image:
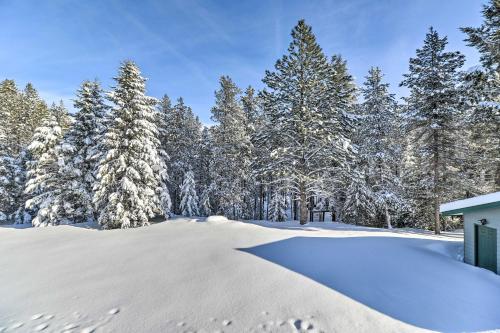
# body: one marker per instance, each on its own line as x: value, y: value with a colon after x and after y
x: 184, y: 46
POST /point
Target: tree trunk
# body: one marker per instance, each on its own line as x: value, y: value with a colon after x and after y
x: 388, y: 218
x: 294, y: 207
x: 437, y: 222
x: 268, y: 199
x: 303, y: 204
x: 497, y: 178
x: 261, y: 202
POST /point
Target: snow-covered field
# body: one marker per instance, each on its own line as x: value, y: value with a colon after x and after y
x: 222, y: 276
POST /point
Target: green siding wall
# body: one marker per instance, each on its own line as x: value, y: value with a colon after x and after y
x: 492, y: 215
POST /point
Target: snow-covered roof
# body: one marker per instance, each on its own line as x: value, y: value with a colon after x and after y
x: 471, y: 202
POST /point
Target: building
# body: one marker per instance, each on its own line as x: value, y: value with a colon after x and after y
x: 481, y: 229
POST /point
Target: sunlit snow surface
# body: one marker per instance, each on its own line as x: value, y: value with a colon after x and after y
x: 215, y: 275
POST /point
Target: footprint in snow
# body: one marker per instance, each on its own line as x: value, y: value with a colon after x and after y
x: 181, y: 324
x: 114, y: 311
x: 48, y: 317
x: 226, y: 322
x: 265, y: 313
x: 37, y: 316
x: 299, y: 324
x: 41, y: 327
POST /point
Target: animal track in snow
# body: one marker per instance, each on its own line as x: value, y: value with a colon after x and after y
x: 226, y: 322
x: 37, y: 316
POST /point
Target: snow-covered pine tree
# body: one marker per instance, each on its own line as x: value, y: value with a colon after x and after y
x: 305, y: 129
x: 252, y: 110
x: 378, y: 146
x: 189, y: 198
x: 126, y: 192
x: 231, y: 152
x: 164, y: 115
x: 9, y: 168
x: 28, y: 117
x: 181, y: 134
x: 80, y: 153
x: 277, y: 206
x: 482, y: 87
x: 62, y: 116
x: 359, y: 206
x: 343, y: 99
x: 10, y: 186
x: 21, y: 112
x: 204, y: 160
x: 433, y: 107
x: 10, y: 103
x: 205, y: 205
x: 42, y: 176
x: 486, y: 38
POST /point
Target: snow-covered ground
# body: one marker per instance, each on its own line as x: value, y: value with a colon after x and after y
x: 223, y: 276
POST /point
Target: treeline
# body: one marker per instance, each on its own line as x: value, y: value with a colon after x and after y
x: 310, y: 141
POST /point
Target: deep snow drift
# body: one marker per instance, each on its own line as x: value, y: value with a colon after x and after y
x: 223, y: 276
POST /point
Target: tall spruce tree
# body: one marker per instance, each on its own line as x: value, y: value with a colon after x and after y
x: 80, y: 153
x: 205, y: 183
x: 42, y: 176
x: 9, y: 168
x: 181, y: 134
x: 251, y: 108
x: 231, y: 152
x: 305, y: 130
x: 277, y: 206
x: 378, y: 147
x: 433, y: 108
x: 344, y: 93
x: 10, y: 103
x: 129, y: 174
x: 359, y: 206
x: 189, y: 198
x: 31, y: 114
x: 163, y: 113
x: 482, y: 87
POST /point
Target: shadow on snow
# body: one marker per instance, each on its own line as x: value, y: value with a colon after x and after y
x: 412, y: 280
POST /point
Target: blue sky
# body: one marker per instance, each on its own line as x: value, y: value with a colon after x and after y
x: 184, y: 46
